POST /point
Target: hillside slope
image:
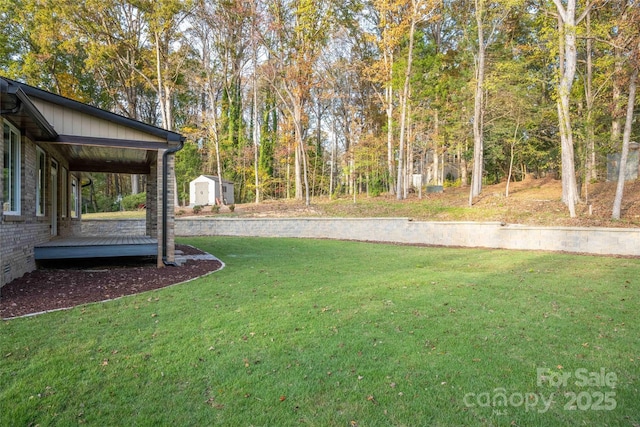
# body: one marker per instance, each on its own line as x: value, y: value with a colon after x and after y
x: 530, y: 202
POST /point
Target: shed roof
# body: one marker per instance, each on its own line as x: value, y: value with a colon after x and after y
x: 215, y: 178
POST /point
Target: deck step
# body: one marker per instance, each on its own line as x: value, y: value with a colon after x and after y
x: 97, y: 247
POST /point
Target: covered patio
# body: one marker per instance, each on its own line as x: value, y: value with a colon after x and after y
x: 55, y: 144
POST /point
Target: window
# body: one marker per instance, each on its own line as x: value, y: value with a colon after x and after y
x: 64, y: 193
x: 11, y: 171
x: 40, y: 184
x: 74, y: 197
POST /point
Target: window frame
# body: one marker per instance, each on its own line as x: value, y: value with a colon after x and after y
x: 64, y: 192
x: 75, y: 203
x: 12, y: 181
x: 41, y: 182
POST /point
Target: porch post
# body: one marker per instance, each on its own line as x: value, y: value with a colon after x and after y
x: 157, y: 175
x: 171, y: 191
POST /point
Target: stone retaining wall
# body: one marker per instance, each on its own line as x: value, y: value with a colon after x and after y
x: 609, y: 241
x: 117, y: 227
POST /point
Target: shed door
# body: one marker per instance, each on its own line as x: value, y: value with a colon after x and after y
x: 202, y: 193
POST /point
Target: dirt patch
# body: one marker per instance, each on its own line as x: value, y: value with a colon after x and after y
x: 80, y: 282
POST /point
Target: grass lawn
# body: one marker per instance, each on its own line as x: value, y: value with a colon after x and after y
x: 328, y: 333
x: 137, y: 214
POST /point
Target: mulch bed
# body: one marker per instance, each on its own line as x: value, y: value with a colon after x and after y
x: 65, y: 285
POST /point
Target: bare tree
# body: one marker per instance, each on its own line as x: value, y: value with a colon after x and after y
x: 626, y: 137
x: 567, y: 23
x: 489, y: 17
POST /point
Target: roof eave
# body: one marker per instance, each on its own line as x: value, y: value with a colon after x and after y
x: 30, y: 91
x: 33, y: 111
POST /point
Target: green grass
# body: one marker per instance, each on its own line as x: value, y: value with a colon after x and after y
x: 328, y: 333
x: 137, y: 214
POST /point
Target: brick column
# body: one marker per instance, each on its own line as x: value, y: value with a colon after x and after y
x: 159, y: 207
x: 158, y: 204
x: 171, y: 191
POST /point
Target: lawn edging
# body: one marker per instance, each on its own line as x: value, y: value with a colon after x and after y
x: 594, y: 240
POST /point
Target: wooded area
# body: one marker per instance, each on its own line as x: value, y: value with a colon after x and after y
x: 298, y: 99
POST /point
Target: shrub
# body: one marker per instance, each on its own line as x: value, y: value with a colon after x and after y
x: 215, y: 209
x: 134, y: 201
x: 232, y: 208
x: 452, y: 183
x: 197, y: 209
x: 105, y: 204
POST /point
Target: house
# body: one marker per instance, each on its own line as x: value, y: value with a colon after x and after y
x: 49, y: 144
x: 205, y: 190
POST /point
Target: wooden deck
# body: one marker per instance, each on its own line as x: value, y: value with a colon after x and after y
x: 97, y: 247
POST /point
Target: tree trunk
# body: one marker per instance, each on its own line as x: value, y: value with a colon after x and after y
x: 617, y: 204
x: 297, y: 159
x: 135, y: 187
x: 616, y: 95
x: 512, y: 146
x: 591, y: 172
x: 389, y: 110
x: 288, y: 169
x: 478, y: 105
x: 161, y: 100
x: 436, y: 157
x: 256, y: 137
x: 568, y: 27
x: 334, y: 149
x: 214, y: 134
x: 463, y: 165
x: 305, y: 170
x: 404, y: 101
x: 410, y: 154
x: 436, y: 165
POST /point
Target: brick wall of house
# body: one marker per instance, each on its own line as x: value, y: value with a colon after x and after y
x: 19, y: 234
x: 1, y: 202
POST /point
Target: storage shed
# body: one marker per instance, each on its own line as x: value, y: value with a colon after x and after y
x: 205, y: 190
x: 633, y: 164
